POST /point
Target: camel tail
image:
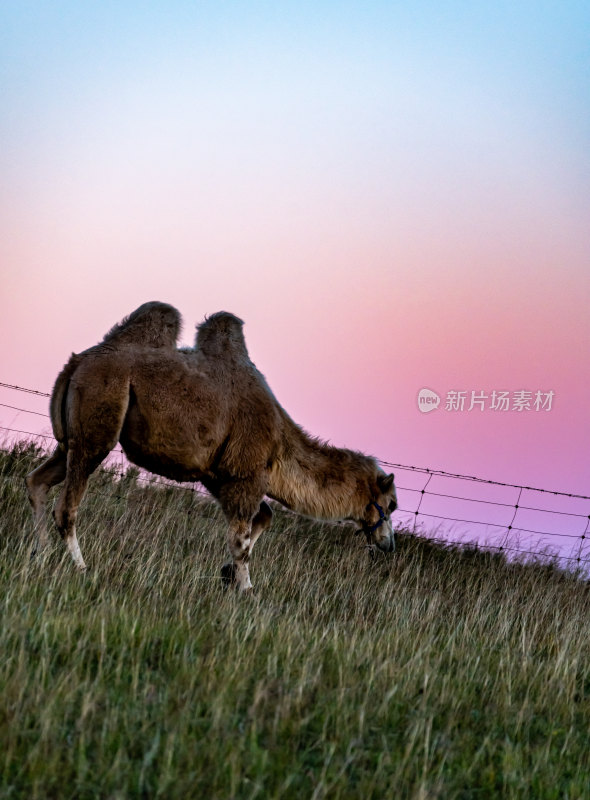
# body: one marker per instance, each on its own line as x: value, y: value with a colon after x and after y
x: 57, y: 404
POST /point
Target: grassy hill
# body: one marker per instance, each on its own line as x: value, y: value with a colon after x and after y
x: 436, y: 672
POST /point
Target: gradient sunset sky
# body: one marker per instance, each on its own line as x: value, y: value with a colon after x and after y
x: 392, y: 196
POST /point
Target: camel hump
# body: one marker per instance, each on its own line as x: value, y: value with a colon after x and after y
x: 153, y: 324
x: 221, y: 335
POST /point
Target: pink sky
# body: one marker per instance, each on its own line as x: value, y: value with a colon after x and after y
x: 389, y: 203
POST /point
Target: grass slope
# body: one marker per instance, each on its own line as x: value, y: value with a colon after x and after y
x: 433, y: 673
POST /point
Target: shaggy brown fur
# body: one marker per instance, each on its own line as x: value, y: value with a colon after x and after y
x: 203, y: 415
x: 153, y: 324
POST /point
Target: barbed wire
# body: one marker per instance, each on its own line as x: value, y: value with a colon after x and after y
x: 23, y: 389
x: 26, y: 410
x: 509, y: 528
x: 477, y: 479
x: 25, y: 433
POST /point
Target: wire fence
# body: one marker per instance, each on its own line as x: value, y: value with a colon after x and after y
x: 458, y: 509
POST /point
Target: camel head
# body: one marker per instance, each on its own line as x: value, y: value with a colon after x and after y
x: 376, y: 520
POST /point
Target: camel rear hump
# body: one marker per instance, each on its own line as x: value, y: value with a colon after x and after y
x: 221, y: 336
x: 154, y: 325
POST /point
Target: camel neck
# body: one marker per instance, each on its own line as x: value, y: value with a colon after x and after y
x: 318, y: 479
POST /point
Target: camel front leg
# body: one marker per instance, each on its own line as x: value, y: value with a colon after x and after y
x: 239, y: 541
x: 260, y: 523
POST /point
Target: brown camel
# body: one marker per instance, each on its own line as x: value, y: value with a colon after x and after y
x: 207, y: 415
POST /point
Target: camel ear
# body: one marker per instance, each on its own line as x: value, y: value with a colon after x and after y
x: 385, y: 482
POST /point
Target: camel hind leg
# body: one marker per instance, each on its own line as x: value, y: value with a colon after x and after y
x: 38, y: 483
x: 80, y: 466
x: 66, y: 509
x: 93, y: 432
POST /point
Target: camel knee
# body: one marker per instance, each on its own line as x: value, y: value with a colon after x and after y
x: 46, y: 475
x: 64, y: 516
x: 62, y: 519
x: 37, y: 491
x: 239, y: 546
x: 32, y: 490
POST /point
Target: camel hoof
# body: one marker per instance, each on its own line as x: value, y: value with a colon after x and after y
x: 228, y: 574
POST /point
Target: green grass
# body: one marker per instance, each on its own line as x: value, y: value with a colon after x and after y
x: 436, y: 672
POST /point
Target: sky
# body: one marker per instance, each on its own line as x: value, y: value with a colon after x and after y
x: 394, y: 197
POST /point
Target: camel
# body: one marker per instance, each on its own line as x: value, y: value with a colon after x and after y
x: 203, y: 414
